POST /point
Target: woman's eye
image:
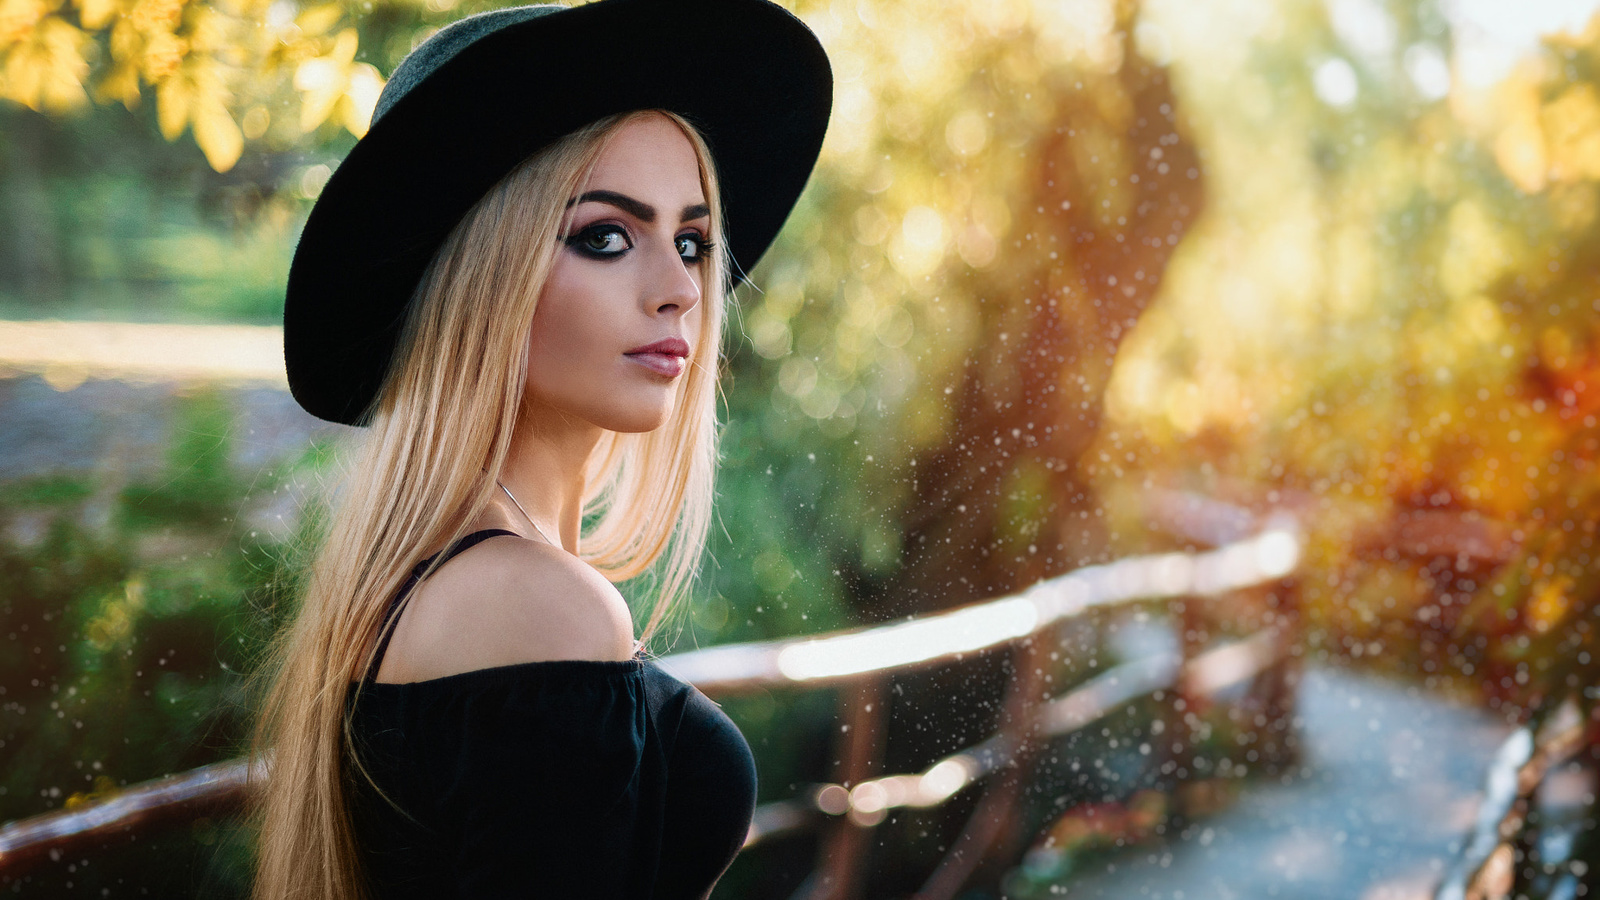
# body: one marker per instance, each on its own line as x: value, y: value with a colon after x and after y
x: 600, y: 241
x: 693, y: 247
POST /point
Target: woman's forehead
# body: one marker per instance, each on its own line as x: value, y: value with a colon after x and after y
x: 650, y: 159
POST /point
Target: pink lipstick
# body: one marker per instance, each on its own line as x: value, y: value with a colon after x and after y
x: 668, y: 356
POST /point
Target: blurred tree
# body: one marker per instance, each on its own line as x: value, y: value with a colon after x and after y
x: 1389, y: 315
x: 226, y: 70
x: 964, y: 277
x: 1002, y: 188
x: 1538, y: 611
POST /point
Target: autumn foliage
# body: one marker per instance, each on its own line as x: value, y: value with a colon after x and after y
x: 227, y: 71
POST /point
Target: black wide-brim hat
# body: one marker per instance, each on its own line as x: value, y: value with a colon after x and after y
x: 482, y: 95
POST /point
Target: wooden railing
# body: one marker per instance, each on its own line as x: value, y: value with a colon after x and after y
x: 854, y: 803
x: 1496, y: 848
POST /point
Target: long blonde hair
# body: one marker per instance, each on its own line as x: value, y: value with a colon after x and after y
x: 440, y: 433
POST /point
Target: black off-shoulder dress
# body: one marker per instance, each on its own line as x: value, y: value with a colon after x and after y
x: 548, y: 779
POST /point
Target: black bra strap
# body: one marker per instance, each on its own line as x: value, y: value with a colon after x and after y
x: 387, y: 629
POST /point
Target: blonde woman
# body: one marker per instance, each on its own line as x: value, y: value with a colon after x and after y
x: 516, y: 282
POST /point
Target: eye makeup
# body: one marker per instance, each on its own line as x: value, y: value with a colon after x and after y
x: 698, y: 248
x: 607, y: 240
x: 604, y: 240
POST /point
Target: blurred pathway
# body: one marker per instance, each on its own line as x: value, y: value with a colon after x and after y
x: 98, y: 397
x: 1389, y: 785
x: 66, y: 353
x: 97, y: 425
x: 112, y: 432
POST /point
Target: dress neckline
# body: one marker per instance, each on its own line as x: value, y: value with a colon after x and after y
x: 514, y: 673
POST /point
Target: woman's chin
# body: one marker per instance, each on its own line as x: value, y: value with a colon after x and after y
x: 634, y: 421
x: 622, y: 412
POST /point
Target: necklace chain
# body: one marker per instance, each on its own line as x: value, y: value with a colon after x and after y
x: 525, y: 514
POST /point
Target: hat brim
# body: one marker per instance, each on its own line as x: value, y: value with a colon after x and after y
x: 749, y: 75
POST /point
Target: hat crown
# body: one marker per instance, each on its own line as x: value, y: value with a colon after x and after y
x: 443, y: 46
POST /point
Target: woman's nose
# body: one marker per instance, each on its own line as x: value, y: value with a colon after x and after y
x: 676, y: 284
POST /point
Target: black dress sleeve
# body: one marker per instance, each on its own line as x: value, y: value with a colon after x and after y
x: 553, y: 779
x: 547, y: 785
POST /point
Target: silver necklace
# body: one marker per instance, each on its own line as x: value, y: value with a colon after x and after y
x: 525, y: 514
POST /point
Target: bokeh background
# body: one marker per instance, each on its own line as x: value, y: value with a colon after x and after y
x: 1061, y: 262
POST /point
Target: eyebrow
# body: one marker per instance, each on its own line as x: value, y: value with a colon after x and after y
x: 644, y: 212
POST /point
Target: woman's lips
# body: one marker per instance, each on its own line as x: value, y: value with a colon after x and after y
x: 667, y: 357
x: 661, y: 363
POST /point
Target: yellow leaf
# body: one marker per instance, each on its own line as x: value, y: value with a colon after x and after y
x: 173, y: 99
x: 1520, y: 147
x: 18, y: 18
x: 360, y: 97
x: 46, y: 71
x: 218, y: 136
x: 127, y: 44
x: 121, y: 84
x: 21, y: 80
x: 208, y: 30
x: 154, y: 16
x: 1520, y: 152
x: 96, y: 14
x: 163, y: 53
x: 321, y: 84
x: 318, y: 19
x: 344, y: 47
x: 1572, y: 128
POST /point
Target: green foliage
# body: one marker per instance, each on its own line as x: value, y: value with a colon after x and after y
x: 198, y: 487
x: 44, y: 491
x: 95, y: 222
x: 125, y: 648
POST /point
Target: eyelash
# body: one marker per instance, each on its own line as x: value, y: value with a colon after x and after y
x: 578, y: 242
x: 703, y: 247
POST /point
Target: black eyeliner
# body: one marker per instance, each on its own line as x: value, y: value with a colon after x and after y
x: 576, y: 241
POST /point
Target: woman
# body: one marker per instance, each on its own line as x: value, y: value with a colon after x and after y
x: 515, y: 280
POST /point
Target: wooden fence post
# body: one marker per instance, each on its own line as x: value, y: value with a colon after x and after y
x: 859, y: 746
x: 1278, y: 746
x: 994, y: 821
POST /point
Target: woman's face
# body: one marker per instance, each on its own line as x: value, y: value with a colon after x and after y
x: 620, y: 317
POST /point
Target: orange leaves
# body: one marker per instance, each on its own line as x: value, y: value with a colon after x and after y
x: 209, y: 64
x: 1572, y: 132
x: 96, y: 14
x: 42, y: 63
x: 18, y: 18
x: 219, y: 138
x: 1520, y: 147
x: 1550, y: 604
x: 45, y: 68
x: 1549, y: 127
x: 198, y: 96
x: 156, y: 16
x: 336, y: 85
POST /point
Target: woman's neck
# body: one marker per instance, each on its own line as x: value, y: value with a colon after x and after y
x: 545, y: 469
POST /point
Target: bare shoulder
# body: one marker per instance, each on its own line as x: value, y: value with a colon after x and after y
x: 504, y: 601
